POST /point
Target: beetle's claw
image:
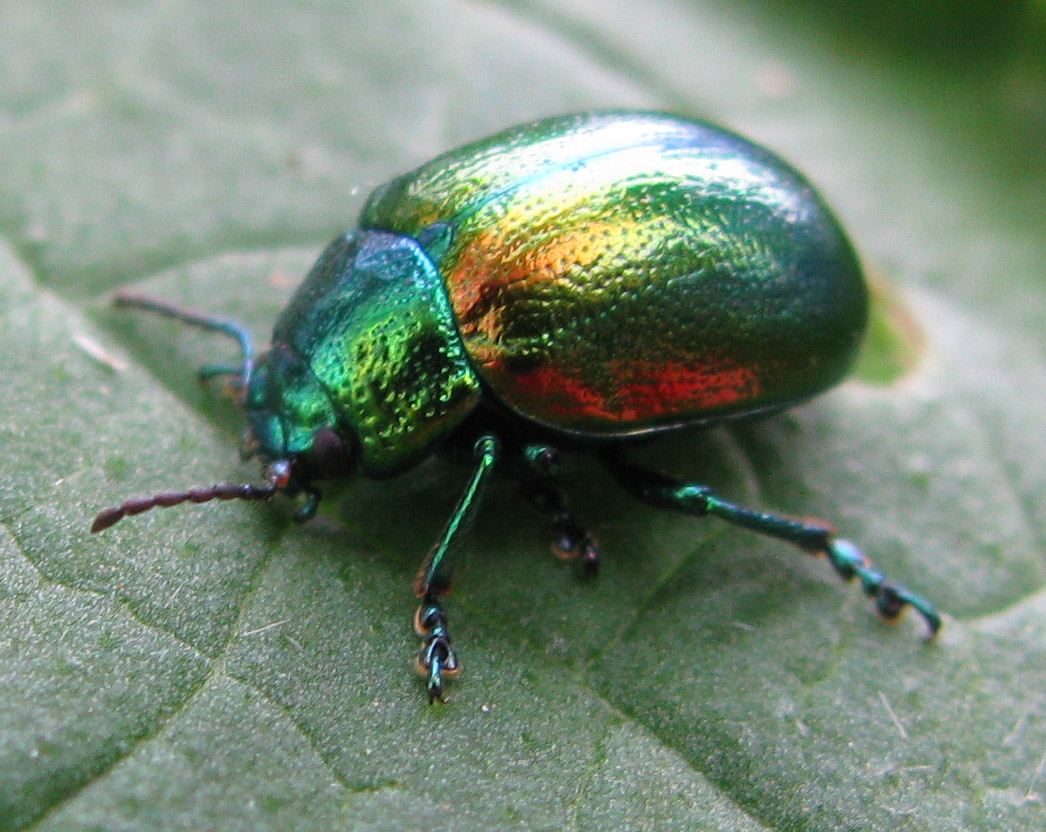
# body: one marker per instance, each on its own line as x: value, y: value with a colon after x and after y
x: 893, y: 600
x: 590, y: 558
x: 437, y: 662
x: 890, y: 599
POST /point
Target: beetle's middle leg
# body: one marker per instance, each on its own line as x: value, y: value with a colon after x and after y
x: 810, y: 536
x: 569, y: 538
x: 436, y: 661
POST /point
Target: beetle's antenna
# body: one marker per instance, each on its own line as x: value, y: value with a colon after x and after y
x: 277, y: 476
x: 203, y: 321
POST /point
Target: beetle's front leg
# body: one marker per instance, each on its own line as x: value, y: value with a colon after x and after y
x: 436, y: 661
x: 813, y: 537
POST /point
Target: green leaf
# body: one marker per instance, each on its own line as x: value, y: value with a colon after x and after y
x: 221, y: 668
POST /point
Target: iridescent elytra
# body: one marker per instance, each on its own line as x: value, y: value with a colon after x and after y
x: 572, y: 284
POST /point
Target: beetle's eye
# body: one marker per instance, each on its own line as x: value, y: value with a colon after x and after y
x: 330, y: 457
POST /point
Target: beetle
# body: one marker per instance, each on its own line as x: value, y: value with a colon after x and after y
x: 581, y: 282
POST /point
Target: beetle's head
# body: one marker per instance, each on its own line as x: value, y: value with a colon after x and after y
x: 291, y: 427
x: 290, y: 417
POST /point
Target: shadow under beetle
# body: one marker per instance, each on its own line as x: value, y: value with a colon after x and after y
x: 579, y: 281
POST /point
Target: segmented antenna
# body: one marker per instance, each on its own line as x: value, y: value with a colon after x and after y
x: 277, y: 476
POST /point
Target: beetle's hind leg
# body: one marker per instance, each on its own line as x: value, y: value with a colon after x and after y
x: 812, y: 537
x: 569, y: 538
x: 436, y: 661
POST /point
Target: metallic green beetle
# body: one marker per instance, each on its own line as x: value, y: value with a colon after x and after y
x: 578, y: 281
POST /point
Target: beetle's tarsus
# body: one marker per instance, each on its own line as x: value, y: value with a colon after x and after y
x: 436, y: 660
x: 576, y: 543
x: 311, y: 505
x: 890, y: 599
x: 569, y: 538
